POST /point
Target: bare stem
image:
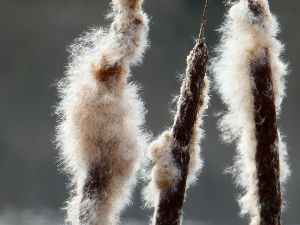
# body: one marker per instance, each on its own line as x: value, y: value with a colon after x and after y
x: 203, y: 21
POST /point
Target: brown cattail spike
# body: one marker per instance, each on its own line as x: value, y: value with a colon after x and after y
x: 267, y: 151
x: 183, y: 147
x: 169, y: 210
x: 250, y: 77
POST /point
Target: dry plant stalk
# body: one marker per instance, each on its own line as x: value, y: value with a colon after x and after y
x: 176, y: 152
x: 100, y: 134
x: 250, y: 74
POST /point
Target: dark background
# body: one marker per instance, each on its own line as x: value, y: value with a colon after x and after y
x: 33, y: 37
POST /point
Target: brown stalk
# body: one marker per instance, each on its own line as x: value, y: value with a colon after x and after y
x: 171, y: 201
x: 267, y: 152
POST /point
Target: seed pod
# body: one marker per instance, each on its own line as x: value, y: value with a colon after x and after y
x: 176, y: 152
x: 100, y: 134
x: 249, y: 76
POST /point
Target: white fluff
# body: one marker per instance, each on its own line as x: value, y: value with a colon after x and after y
x: 101, y: 115
x: 243, y: 40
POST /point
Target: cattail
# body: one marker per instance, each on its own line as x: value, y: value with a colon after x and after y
x: 250, y: 78
x: 100, y: 132
x: 176, y: 152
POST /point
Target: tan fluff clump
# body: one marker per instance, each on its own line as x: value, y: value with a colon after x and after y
x: 100, y: 133
x: 165, y: 173
x: 244, y: 39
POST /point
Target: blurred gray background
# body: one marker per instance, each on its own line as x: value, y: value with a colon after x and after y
x: 34, y: 35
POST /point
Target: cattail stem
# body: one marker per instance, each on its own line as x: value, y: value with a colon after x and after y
x: 170, y: 205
